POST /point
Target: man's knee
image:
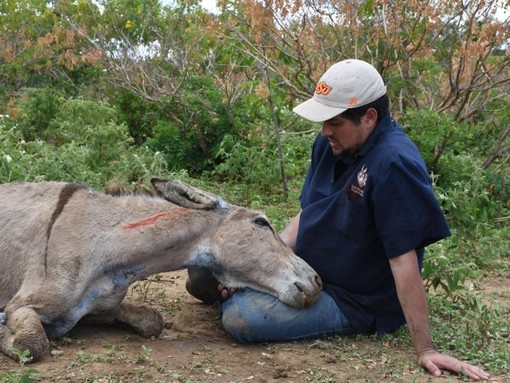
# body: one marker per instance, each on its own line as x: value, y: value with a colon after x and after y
x: 237, y: 323
x: 248, y: 316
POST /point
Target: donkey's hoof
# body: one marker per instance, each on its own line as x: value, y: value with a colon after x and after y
x: 3, y: 318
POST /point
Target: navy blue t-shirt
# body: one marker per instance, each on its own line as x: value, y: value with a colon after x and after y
x: 359, y: 211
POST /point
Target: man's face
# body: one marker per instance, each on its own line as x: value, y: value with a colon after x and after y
x: 346, y: 137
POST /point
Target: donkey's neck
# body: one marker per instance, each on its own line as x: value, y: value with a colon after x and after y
x: 166, y: 240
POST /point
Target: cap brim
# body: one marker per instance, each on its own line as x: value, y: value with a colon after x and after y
x: 317, y: 112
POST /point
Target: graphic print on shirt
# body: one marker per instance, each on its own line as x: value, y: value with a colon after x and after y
x: 355, y: 191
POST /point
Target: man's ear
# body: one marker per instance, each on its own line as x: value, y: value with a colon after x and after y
x: 371, y: 116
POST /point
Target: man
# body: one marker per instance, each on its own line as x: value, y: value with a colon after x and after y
x: 367, y: 212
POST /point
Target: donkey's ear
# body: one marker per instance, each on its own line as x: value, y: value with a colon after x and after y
x: 185, y: 195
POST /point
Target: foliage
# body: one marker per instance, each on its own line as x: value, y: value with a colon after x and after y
x: 251, y: 162
x: 472, y: 197
x: 22, y: 355
x: 38, y: 46
x: 433, y: 133
x: 139, y: 115
x: 253, y: 165
x: 40, y: 107
x: 481, y: 332
x: 92, y: 149
x: 28, y: 375
x: 24, y: 375
x: 190, y: 142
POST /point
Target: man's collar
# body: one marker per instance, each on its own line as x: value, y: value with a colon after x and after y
x: 382, y: 127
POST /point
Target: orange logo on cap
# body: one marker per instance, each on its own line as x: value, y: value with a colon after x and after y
x: 322, y: 88
x: 353, y: 101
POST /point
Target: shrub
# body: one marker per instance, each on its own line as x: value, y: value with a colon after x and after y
x: 91, y: 149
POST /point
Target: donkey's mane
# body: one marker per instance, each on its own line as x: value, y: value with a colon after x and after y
x: 117, y: 189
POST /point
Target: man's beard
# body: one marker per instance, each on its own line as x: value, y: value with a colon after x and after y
x: 344, y: 152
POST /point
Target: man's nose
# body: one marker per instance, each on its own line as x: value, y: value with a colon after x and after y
x: 325, y: 130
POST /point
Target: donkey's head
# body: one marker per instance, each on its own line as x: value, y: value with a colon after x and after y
x: 249, y: 253
x: 243, y: 250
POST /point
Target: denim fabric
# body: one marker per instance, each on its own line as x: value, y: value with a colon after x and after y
x: 251, y: 316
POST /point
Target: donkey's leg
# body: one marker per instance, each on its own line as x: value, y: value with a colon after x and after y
x: 144, y: 320
x: 23, y: 331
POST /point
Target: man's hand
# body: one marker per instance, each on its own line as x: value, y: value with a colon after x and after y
x: 434, y: 362
x: 414, y: 304
x: 226, y: 292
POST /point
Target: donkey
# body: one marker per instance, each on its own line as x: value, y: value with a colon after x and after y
x: 68, y: 252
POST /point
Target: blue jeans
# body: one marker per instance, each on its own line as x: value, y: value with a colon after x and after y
x: 251, y: 316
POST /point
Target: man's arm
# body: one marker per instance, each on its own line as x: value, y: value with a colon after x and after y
x: 289, y: 234
x: 413, y: 300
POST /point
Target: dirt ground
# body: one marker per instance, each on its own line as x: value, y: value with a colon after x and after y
x: 195, y: 348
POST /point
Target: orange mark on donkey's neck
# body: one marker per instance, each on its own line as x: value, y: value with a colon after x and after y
x: 147, y: 221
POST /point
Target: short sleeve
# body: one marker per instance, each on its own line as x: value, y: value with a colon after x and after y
x: 407, y: 214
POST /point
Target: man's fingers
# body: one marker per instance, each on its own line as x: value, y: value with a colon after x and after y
x: 432, y: 368
x: 225, y: 291
x: 472, y: 372
x: 475, y: 373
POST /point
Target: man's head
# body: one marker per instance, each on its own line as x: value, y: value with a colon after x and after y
x: 349, y: 99
x: 348, y: 84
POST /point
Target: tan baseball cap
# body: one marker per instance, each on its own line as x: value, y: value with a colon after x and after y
x: 346, y: 84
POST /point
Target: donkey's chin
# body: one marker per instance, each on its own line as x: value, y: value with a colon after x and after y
x: 298, y: 294
x: 295, y: 295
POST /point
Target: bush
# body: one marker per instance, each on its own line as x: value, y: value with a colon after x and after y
x: 39, y: 107
x: 180, y: 147
x: 471, y: 197
x: 91, y: 149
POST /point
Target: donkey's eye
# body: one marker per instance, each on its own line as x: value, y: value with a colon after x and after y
x: 262, y: 222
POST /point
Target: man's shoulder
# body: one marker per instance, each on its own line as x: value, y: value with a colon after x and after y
x: 395, y: 143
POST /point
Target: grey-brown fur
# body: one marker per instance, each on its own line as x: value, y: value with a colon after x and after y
x: 67, y: 252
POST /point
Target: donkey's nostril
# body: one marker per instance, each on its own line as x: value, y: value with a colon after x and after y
x: 318, y: 281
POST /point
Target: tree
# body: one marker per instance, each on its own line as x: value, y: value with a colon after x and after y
x: 38, y: 46
x: 442, y: 55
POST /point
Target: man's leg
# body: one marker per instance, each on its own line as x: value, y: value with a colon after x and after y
x: 251, y: 316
